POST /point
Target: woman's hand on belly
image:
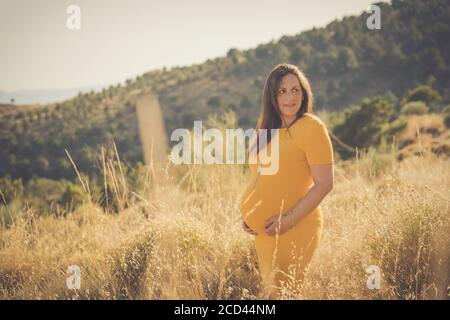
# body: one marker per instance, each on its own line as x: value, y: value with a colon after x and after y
x: 278, y: 224
x: 248, y: 229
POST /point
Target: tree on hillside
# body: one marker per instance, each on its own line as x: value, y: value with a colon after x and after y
x: 280, y: 53
x: 347, y: 59
x: 214, y: 102
x: 364, y: 125
x: 424, y: 93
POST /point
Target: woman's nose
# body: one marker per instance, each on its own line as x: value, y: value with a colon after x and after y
x: 288, y: 99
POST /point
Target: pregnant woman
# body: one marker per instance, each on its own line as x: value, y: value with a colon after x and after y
x: 282, y: 210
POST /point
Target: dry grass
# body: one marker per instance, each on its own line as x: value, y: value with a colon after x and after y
x: 424, y: 125
x: 424, y: 134
x: 181, y: 238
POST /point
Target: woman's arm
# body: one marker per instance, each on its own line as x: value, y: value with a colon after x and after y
x: 323, y: 177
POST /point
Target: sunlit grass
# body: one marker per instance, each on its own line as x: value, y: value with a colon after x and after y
x: 180, y: 237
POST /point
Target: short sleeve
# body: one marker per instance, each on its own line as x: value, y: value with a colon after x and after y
x: 317, y: 144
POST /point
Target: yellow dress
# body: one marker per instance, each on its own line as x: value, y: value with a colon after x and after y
x: 283, y: 258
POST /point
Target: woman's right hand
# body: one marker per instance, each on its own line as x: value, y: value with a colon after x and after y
x: 248, y: 230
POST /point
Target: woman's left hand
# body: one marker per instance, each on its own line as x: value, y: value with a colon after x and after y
x: 278, y: 224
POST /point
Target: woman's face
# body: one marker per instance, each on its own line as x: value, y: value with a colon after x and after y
x: 289, y: 97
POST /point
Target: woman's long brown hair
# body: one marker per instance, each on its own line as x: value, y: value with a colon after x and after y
x: 270, y: 116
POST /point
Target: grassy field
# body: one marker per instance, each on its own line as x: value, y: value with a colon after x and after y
x: 180, y: 237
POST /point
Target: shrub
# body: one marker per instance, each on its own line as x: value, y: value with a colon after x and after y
x: 415, y: 107
x: 72, y: 197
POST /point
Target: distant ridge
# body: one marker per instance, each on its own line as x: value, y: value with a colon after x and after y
x: 42, y: 96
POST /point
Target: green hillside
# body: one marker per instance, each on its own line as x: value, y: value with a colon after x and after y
x: 345, y: 62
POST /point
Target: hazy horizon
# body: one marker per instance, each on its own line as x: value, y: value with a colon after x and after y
x: 117, y: 42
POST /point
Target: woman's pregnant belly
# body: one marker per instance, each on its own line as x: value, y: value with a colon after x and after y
x: 267, y: 196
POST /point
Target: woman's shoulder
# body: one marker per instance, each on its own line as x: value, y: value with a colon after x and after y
x: 307, y: 120
x: 305, y: 128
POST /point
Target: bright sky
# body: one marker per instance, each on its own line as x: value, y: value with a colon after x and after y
x: 120, y: 39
